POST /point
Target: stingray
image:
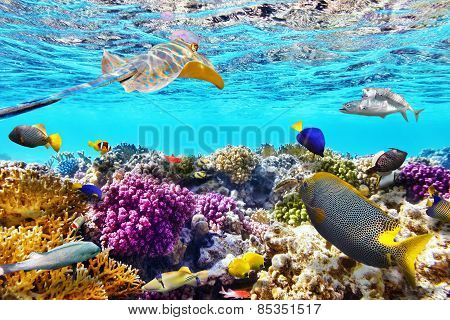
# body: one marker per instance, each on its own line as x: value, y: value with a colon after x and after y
x: 148, y: 72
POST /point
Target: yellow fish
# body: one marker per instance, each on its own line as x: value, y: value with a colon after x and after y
x: 254, y: 260
x: 100, y: 146
x: 200, y: 175
x: 357, y: 226
x: 175, y: 279
x: 239, y: 268
x: 439, y: 208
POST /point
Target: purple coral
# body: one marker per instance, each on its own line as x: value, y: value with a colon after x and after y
x: 214, y: 207
x: 142, y: 216
x: 417, y: 177
x: 256, y: 228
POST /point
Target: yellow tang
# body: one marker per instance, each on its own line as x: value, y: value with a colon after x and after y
x: 357, y: 226
x: 239, y: 268
x: 254, y: 260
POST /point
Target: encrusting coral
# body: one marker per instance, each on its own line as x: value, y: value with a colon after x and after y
x: 140, y: 215
x: 236, y: 162
x: 28, y: 194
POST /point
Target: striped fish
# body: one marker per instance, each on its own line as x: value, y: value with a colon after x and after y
x: 143, y: 73
x: 387, y: 161
x: 439, y: 208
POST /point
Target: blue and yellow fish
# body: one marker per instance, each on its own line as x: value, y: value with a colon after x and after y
x: 89, y: 189
x: 311, y: 138
x: 438, y: 208
x: 357, y: 226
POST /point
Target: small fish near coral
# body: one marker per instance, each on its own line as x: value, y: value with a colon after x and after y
x: 235, y: 294
x: 379, y: 102
x: 172, y: 159
x: 100, y: 146
x: 68, y: 254
x: 149, y: 72
x: 175, y: 279
x: 35, y: 136
x: 89, y: 190
x: 78, y: 223
x: 200, y: 175
x: 357, y: 226
x: 240, y: 267
x: 438, y: 208
x: 311, y: 138
x: 385, y: 162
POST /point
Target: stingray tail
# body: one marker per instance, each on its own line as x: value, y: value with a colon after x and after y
x: 119, y: 74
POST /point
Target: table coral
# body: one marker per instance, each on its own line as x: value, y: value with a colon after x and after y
x: 139, y: 215
x: 236, y: 162
x: 28, y: 194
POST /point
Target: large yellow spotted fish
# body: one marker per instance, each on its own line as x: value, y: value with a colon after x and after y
x: 357, y: 226
x: 148, y: 72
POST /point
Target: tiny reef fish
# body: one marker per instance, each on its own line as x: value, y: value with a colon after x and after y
x: 311, y: 138
x: 100, y: 146
x: 235, y: 294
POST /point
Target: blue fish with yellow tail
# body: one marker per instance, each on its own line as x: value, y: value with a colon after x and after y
x: 149, y: 72
x: 438, y: 208
x: 89, y: 189
x: 357, y: 226
x: 311, y: 138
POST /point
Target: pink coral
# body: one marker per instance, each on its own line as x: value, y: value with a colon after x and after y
x: 141, y: 216
x: 214, y: 207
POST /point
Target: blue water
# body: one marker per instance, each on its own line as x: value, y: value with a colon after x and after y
x: 275, y: 74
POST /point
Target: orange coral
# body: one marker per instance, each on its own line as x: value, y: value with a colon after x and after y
x: 28, y: 194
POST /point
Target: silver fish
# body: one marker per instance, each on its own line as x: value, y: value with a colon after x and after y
x: 62, y: 256
x: 379, y: 102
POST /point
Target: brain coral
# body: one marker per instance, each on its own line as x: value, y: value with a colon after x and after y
x: 27, y: 194
x: 236, y: 162
x: 139, y: 215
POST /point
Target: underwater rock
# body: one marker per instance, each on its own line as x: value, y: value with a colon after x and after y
x: 222, y: 246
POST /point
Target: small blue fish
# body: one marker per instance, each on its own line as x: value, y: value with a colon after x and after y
x: 89, y: 189
x: 311, y: 138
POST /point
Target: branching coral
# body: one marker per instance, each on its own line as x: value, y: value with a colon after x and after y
x: 139, y: 215
x: 103, y: 278
x: 237, y: 162
x: 417, y: 177
x: 29, y: 194
x: 291, y: 210
x: 214, y: 207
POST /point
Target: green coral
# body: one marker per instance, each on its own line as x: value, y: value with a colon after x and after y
x: 291, y: 210
x: 236, y: 162
x: 340, y: 166
x: 267, y: 150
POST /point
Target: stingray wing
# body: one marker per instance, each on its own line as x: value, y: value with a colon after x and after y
x: 166, y: 62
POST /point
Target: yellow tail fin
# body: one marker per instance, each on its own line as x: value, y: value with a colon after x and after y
x: 409, y: 250
x: 55, y: 141
x: 298, y: 126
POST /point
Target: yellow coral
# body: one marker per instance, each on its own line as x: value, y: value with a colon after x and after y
x: 119, y: 280
x: 103, y: 278
x: 237, y: 162
x: 27, y: 194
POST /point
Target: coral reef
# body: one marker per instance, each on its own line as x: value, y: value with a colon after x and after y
x: 103, y: 278
x: 417, y: 177
x: 214, y: 207
x: 440, y: 156
x: 236, y: 162
x: 155, y: 217
x: 28, y: 193
x: 139, y: 215
x: 291, y: 210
